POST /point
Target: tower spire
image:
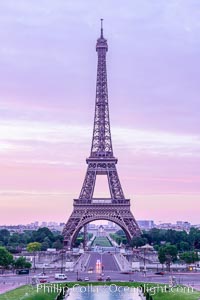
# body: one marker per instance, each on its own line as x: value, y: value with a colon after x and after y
x: 102, y: 28
x: 101, y: 141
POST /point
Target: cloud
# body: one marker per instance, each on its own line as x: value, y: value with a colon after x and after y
x: 33, y: 193
x: 29, y: 135
x: 41, y: 132
x: 158, y: 142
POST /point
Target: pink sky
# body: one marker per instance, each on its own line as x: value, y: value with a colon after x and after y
x: 47, y: 83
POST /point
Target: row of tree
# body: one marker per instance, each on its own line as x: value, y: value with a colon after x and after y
x: 169, y: 253
x: 171, y: 245
x: 15, y: 242
x: 119, y: 237
x: 183, y: 240
x: 80, y: 238
x: 7, y: 260
x: 156, y: 237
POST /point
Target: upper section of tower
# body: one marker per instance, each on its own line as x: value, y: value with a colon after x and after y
x: 101, y: 42
x: 101, y: 141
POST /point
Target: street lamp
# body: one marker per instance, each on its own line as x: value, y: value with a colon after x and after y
x: 146, y: 248
x: 130, y: 275
x: 101, y: 260
x: 43, y: 269
x: 34, y: 262
x: 62, y: 260
x: 77, y: 275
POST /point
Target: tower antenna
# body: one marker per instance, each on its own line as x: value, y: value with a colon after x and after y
x: 101, y: 28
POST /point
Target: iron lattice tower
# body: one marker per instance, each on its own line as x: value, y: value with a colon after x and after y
x: 101, y: 162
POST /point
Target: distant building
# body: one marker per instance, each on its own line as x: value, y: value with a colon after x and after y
x: 101, y: 231
x: 183, y: 225
x: 146, y: 224
x: 179, y: 226
x: 44, y: 224
x: 165, y: 226
x: 112, y: 225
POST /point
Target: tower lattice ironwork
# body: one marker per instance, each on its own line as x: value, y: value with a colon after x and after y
x: 101, y: 162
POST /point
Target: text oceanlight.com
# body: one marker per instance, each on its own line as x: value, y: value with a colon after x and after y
x: 114, y: 288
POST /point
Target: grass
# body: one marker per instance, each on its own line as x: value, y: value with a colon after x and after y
x: 178, y: 295
x: 102, y: 242
x: 27, y: 292
x: 30, y: 293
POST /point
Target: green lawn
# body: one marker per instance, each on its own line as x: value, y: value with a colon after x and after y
x: 30, y: 293
x: 177, y: 295
x: 27, y: 292
x: 160, y: 293
x: 102, y: 242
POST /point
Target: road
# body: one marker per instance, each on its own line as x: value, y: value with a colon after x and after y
x: 107, y: 260
x: 186, y: 278
x: 110, y: 268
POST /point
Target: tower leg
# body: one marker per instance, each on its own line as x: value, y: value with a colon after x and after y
x: 85, y: 238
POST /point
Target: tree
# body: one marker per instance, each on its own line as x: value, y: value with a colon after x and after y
x: 4, y: 236
x: 22, y: 263
x: 184, y: 246
x: 194, y: 238
x: 189, y: 257
x: 33, y: 247
x: 138, y: 241
x: 120, y: 232
x: 45, y: 244
x: 43, y: 233
x: 58, y: 245
x: 161, y: 255
x: 14, y: 239
x: 167, y: 254
x: 6, y: 258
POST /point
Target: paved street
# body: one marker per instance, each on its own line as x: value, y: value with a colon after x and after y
x: 107, y: 259
x: 186, y: 278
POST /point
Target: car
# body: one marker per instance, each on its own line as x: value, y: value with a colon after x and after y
x: 86, y: 279
x: 22, y: 271
x: 108, y: 278
x: 79, y: 279
x: 42, y: 276
x: 44, y: 280
x: 100, y: 279
x: 91, y: 269
x: 60, y: 276
x: 160, y: 273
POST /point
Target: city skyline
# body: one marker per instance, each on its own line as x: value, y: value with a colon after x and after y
x: 97, y: 222
x: 47, y: 86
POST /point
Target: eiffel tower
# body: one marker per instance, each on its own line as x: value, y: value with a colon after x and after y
x: 101, y: 162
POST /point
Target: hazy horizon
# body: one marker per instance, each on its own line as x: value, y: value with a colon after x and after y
x: 98, y: 222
